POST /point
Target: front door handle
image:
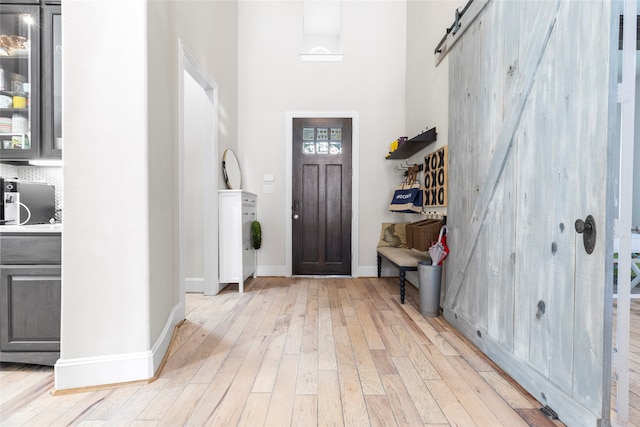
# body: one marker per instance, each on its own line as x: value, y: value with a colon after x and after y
x: 588, y: 230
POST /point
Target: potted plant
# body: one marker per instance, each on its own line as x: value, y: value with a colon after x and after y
x: 256, y: 235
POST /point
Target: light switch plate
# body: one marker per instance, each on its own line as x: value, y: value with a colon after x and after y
x: 268, y: 188
x: 269, y: 177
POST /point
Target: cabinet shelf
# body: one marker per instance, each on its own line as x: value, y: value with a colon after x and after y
x: 414, y: 145
x: 23, y: 56
x: 14, y: 110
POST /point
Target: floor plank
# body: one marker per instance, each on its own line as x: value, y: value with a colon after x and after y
x: 401, y: 404
x: 634, y: 365
x: 329, y: 399
x: 255, y: 411
x: 424, y: 402
x: 353, y: 408
x: 305, y: 411
x: 282, y: 398
x: 216, y: 391
x: 380, y: 413
x: 369, y: 377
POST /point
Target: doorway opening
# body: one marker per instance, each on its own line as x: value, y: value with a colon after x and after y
x: 351, y: 193
x: 198, y: 178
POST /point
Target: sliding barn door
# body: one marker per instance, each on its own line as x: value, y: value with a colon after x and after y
x: 530, y: 123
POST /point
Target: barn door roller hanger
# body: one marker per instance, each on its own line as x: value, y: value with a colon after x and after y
x: 453, y: 29
x: 588, y: 230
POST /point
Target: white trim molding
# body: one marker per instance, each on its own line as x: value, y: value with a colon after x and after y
x: 187, y: 63
x: 104, y: 370
x: 117, y: 368
x: 271, y: 271
x: 194, y: 284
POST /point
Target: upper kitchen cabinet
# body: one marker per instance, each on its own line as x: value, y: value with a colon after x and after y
x: 51, y: 82
x: 19, y: 81
x: 31, y: 83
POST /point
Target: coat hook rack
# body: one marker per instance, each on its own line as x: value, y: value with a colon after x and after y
x: 412, y: 171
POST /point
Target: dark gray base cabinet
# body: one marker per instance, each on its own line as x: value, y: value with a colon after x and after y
x: 30, y: 296
x: 30, y: 314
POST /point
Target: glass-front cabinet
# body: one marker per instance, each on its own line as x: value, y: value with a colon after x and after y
x: 19, y: 70
x: 51, y: 82
x: 30, y: 80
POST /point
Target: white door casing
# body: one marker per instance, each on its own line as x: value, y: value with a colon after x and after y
x: 205, y: 182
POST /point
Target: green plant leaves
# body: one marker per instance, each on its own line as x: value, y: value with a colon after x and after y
x: 256, y: 235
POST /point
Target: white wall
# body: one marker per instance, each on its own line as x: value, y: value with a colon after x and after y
x: 272, y: 81
x: 209, y: 29
x: 427, y: 83
x: 120, y: 288
x: 105, y: 275
x: 161, y: 149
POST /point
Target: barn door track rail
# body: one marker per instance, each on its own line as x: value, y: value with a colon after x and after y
x: 453, y: 29
x: 470, y: 11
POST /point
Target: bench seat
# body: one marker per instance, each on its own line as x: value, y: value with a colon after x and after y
x: 404, y: 260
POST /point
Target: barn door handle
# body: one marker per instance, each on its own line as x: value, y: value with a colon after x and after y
x: 588, y: 230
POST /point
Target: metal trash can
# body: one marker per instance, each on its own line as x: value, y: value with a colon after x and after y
x: 429, y: 279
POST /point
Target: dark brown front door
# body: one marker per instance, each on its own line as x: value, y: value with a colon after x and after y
x: 321, y: 210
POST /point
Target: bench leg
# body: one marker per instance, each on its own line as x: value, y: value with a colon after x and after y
x: 379, y: 265
x: 402, y: 282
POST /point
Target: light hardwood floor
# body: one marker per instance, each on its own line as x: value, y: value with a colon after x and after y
x: 294, y: 352
x: 634, y: 367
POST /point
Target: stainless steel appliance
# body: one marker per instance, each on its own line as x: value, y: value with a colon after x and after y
x: 26, y: 202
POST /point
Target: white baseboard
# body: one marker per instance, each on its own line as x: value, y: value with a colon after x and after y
x: 119, y: 368
x: 363, y: 271
x: 271, y: 270
x: 367, y: 271
x: 194, y: 284
x: 161, y: 346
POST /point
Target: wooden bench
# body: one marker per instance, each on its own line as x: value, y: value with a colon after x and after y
x: 404, y: 260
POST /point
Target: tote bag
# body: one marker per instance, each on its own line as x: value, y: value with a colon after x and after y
x: 408, y: 198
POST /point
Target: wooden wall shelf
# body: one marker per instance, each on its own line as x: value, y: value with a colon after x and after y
x: 414, y: 145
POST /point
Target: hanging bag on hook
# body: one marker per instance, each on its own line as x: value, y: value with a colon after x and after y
x: 408, y: 198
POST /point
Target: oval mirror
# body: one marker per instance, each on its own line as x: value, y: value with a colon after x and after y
x: 231, y: 170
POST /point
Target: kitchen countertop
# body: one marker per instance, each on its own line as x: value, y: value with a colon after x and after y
x: 34, y: 228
